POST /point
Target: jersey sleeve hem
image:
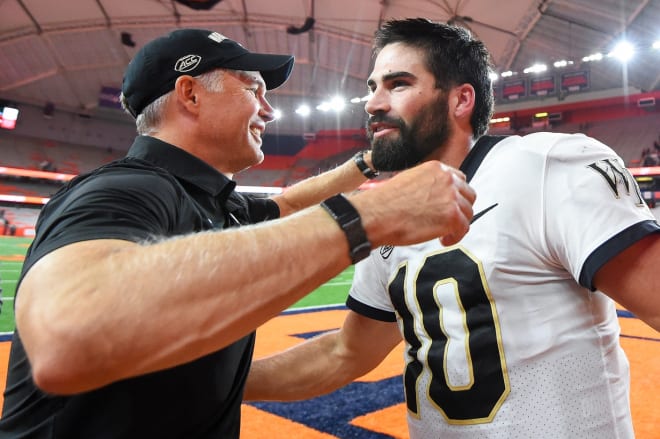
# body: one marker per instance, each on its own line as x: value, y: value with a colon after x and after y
x: 613, y: 247
x: 369, y: 311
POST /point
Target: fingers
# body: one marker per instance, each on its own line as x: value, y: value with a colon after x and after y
x: 465, y: 197
x: 425, y: 202
x: 452, y: 204
x: 464, y: 213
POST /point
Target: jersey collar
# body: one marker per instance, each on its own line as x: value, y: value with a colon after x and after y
x: 477, y: 154
x: 181, y: 164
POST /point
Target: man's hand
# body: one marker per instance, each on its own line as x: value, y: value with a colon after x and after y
x: 428, y: 201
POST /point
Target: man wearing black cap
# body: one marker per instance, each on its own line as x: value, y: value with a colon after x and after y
x: 136, y: 308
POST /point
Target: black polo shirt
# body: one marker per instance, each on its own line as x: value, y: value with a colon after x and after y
x: 156, y: 191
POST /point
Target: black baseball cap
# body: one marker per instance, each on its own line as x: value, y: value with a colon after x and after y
x: 156, y: 66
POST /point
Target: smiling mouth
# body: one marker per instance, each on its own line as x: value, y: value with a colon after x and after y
x: 256, y: 132
x: 383, y: 130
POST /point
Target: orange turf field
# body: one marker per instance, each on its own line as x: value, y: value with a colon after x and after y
x: 642, y: 344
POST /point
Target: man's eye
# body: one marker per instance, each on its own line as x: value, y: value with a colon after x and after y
x: 255, y: 91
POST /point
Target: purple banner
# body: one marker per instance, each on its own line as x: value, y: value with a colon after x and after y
x: 109, y: 97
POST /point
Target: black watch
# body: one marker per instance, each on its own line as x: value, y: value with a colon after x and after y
x: 363, y: 167
x: 348, y: 218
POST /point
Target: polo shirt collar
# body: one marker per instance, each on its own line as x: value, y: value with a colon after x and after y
x: 181, y: 164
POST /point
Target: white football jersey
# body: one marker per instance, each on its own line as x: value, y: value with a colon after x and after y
x: 505, y: 337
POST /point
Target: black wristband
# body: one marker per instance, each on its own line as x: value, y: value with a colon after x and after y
x: 363, y: 167
x: 348, y: 218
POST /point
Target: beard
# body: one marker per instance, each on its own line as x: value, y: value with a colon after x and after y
x: 426, y: 133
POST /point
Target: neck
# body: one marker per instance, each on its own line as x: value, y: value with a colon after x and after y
x: 192, y: 147
x: 454, y: 151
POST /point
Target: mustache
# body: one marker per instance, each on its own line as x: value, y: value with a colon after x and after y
x: 381, y: 118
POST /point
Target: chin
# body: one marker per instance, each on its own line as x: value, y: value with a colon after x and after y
x: 254, y: 161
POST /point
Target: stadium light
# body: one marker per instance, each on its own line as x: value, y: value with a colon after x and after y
x: 623, y: 51
x: 303, y: 110
x: 358, y: 99
x: 8, y: 117
x: 536, y: 68
x: 593, y: 57
x: 562, y: 63
x: 277, y: 114
x: 337, y: 104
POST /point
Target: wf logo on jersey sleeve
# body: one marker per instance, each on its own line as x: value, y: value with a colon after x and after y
x: 618, y: 178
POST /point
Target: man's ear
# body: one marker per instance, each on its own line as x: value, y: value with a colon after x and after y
x: 464, y: 98
x: 186, y: 90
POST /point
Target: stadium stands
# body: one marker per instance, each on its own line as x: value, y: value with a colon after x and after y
x: 288, y: 159
x: 31, y: 153
x: 22, y: 219
x: 628, y: 137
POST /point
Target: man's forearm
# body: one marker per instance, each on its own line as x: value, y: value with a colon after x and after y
x: 139, y: 309
x: 324, y: 363
x: 344, y: 178
x: 304, y: 371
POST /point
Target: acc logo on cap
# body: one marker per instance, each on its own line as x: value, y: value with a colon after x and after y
x: 187, y: 63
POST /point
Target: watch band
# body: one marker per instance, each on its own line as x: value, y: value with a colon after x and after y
x: 348, y: 218
x: 363, y: 167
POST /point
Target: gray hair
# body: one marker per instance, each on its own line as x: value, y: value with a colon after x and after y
x: 149, y: 120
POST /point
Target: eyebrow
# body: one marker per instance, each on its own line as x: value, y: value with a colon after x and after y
x: 390, y: 76
x: 246, y: 77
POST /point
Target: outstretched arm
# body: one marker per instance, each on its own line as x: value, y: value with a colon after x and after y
x: 324, y: 363
x: 94, y: 312
x: 342, y: 179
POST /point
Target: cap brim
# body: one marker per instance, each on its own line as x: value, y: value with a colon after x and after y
x: 275, y: 69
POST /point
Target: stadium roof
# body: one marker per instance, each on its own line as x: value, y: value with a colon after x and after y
x: 65, y: 52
